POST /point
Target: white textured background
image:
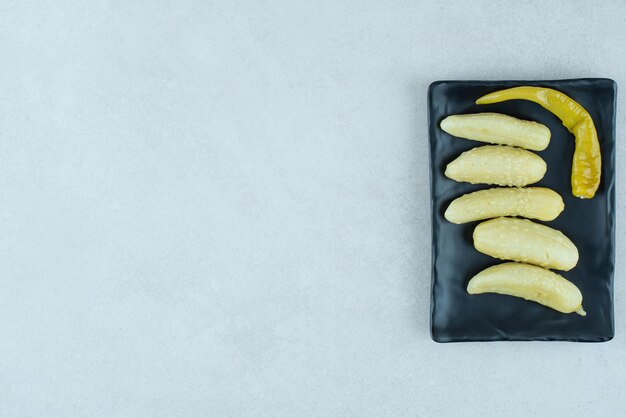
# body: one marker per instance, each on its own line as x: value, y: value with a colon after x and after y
x: 221, y: 208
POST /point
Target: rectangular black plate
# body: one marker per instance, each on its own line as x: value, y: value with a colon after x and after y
x: 590, y: 224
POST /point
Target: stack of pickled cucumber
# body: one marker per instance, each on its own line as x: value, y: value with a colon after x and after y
x: 530, y: 248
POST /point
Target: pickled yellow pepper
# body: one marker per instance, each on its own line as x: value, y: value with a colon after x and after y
x: 587, y: 162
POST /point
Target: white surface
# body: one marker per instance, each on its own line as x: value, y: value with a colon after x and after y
x: 221, y: 208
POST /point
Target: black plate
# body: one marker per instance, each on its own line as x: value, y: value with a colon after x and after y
x: 590, y: 224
